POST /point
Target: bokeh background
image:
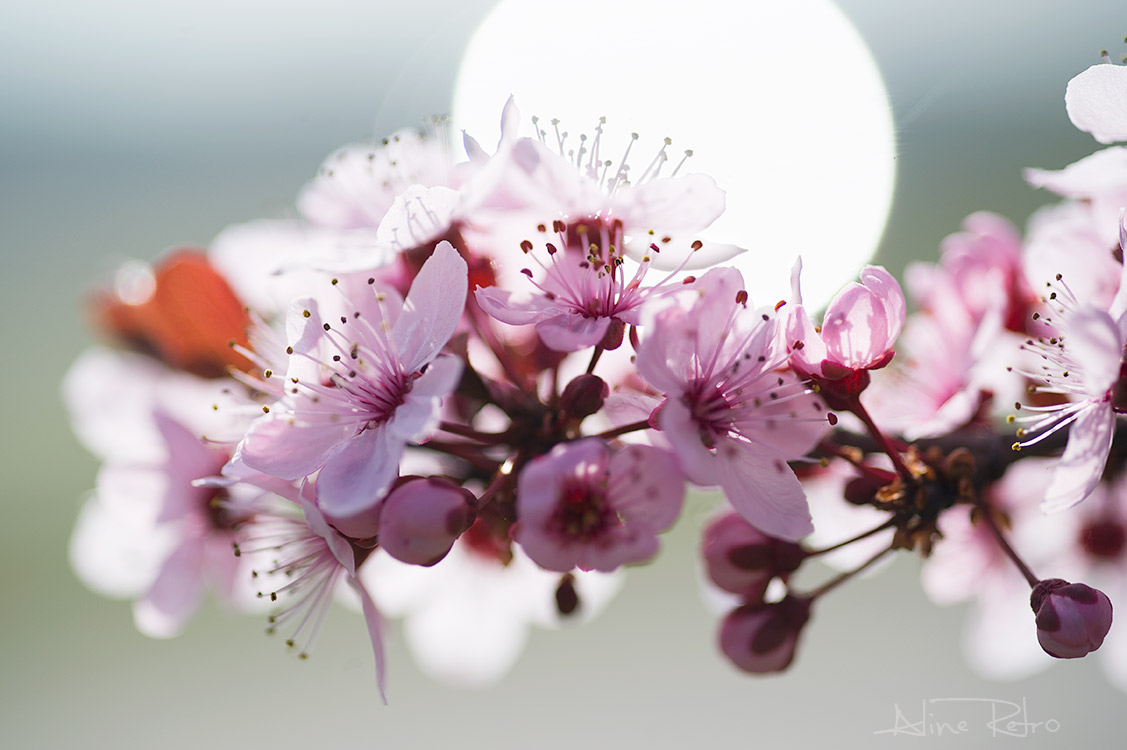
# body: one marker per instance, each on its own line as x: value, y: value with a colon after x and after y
x: 128, y: 126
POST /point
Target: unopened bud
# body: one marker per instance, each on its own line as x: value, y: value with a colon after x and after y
x: 762, y: 638
x: 742, y: 559
x: 1072, y: 618
x: 584, y: 396
x: 421, y: 519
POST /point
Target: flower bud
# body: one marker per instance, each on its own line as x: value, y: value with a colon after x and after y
x: 742, y: 559
x: 1072, y: 618
x: 584, y: 396
x: 421, y: 519
x: 761, y: 637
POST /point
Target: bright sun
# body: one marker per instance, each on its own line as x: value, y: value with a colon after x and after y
x: 781, y: 102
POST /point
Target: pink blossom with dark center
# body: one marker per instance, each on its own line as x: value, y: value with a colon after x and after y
x: 586, y: 296
x: 581, y: 506
x: 732, y: 415
x: 359, y: 388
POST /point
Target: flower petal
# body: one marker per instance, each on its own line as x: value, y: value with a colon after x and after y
x: 1096, y: 101
x: 433, y: 307
x: 1082, y: 464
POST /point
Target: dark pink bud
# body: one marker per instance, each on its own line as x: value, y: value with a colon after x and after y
x: 742, y: 559
x: 584, y: 396
x: 1072, y: 618
x: 762, y: 638
x: 421, y: 519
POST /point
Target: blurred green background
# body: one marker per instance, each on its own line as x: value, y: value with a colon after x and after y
x: 126, y: 127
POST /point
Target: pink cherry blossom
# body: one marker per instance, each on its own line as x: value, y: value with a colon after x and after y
x: 1084, y: 361
x: 576, y: 182
x: 580, y: 506
x: 357, y: 392
x: 585, y: 296
x: 149, y: 532
x: 733, y: 418
x: 858, y: 330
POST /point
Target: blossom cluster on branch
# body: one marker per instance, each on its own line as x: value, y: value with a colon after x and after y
x: 469, y: 392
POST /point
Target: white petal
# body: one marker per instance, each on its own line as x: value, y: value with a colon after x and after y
x: 1096, y: 101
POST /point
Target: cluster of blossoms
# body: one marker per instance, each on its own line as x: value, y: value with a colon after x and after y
x: 468, y: 393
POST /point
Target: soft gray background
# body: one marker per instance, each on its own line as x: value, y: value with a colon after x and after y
x: 127, y: 126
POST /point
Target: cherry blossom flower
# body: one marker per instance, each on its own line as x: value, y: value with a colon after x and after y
x: 858, y: 330
x: 149, y: 532
x: 579, y: 184
x: 732, y: 417
x: 1083, y: 361
x: 585, y: 295
x: 358, y: 392
x: 580, y: 506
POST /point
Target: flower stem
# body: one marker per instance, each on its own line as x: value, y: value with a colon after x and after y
x: 886, y: 445
x: 594, y: 359
x: 887, y: 524
x: 632, y: 427
x: 988, y: 518
x: 492, y: 438
x: 833, y: 583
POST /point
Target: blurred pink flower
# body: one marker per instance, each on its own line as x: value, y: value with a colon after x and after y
x: 580, y: 506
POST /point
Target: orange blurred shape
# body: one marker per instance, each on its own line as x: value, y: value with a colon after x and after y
x: 180, y: 311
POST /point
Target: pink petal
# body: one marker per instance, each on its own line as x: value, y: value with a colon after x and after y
x: 1082, y: 465
x: 1096, y: 101
x: 1093, y: 341
x: 374, y: 621
x: 855, y: 327
x: 356, y: 478
x: 763, y: 489
x: 888, y: 291
x: 647, y: 486
x: 807, y: 359
x: 280, y: 447
x: 500, y: 304
x: 175, y: 595
x: 433, y: 307
x: 572, y: 331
